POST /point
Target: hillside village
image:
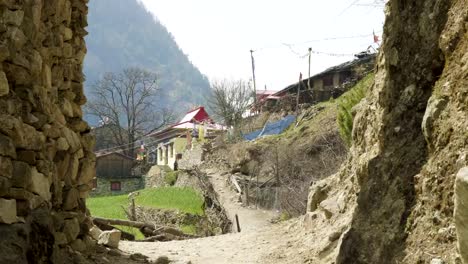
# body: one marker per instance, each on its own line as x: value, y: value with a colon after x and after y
x: 363, y: 162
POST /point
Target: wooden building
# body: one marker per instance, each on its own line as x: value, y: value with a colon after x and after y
x: 330, y: 83
x: 114, y: 174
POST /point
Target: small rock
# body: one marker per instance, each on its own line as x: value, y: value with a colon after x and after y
x: 60, y: 238
x: 334, y: 236
x: 4, y: 88
x: 21, y: 174
x: 162, y: 260
x: 62, y: 144
x: 110, y: 238
x: 95, y: 232
x: 78, y: 245
x: 71, y: 199
x: 71, y: 229
x: 101, y: 249
x: 14, y: 18
x: 7, y: 211
x: 437, y: 261
x: 40, y: 184
x: 138, y: 257
x: 7, y: 148
x: 461, y: 212
x: 6, y: 167
x: 114, y: 252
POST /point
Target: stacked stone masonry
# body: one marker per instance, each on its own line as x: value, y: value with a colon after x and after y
x: 46, y: 150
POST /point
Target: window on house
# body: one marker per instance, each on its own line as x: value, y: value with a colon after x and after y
x: 116, y: 186
x: 160, y: 154
x: 328, y: 80
x: 171, y: 150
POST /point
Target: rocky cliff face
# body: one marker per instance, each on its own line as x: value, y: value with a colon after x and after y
x: 410, y: 139
x: 46, y: 158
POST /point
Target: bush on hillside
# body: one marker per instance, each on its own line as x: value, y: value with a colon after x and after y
x: 345, y: 104
x: 171, y: 177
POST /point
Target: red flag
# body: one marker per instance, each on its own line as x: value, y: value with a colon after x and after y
x: 376, y: 38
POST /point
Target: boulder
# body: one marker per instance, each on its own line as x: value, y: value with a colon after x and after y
x: 461, y: 212
x: 7, y: 211
x: 110, y: 238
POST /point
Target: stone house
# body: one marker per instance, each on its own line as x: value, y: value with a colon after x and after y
x: 115, y: 175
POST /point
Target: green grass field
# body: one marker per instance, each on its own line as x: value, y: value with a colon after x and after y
x: 183, y: 199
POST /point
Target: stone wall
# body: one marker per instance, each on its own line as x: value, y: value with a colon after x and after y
x: 46, y: 158
x: 127, y: 185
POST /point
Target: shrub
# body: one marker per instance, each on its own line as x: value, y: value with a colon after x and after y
x: 345, y: 104
x: 170, y: 177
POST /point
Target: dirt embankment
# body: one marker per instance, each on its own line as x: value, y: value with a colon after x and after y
x: 277, y: 171
x: 394, y: 196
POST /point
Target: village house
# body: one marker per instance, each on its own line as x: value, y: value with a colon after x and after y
x: 115, y: 175
x: 330, y: 83
x: 170, y: 143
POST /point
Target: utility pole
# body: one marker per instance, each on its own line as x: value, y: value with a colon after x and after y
x: 298, y: 92
x: 308, y: 80
x: 253, y: 77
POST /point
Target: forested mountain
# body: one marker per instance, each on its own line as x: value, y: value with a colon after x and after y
x: 122, y: 33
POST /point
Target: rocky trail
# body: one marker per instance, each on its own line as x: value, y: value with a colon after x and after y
x: 258, y: 237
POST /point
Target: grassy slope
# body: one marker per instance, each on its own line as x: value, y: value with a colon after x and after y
x: 184, y: 199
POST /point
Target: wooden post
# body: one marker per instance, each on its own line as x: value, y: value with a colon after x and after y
x: 238, y: 224
x: 133, y: 210
x: 246, y: 194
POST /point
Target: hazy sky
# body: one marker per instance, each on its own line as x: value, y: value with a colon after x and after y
x: 217, y: 35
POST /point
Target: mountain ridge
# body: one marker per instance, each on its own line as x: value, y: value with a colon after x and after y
x: 123, y: 33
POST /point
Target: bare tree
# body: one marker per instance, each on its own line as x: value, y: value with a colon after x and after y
x: 230, y: 100
x: 125, y: 102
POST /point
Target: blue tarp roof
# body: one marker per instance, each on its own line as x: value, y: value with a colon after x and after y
x: 274, y: 128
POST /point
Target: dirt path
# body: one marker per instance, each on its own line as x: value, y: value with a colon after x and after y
x: 250, y: 219
x: 257, y: 239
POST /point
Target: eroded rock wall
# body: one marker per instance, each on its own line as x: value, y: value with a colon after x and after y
x: 410, y: 138
x: 46, y: 158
